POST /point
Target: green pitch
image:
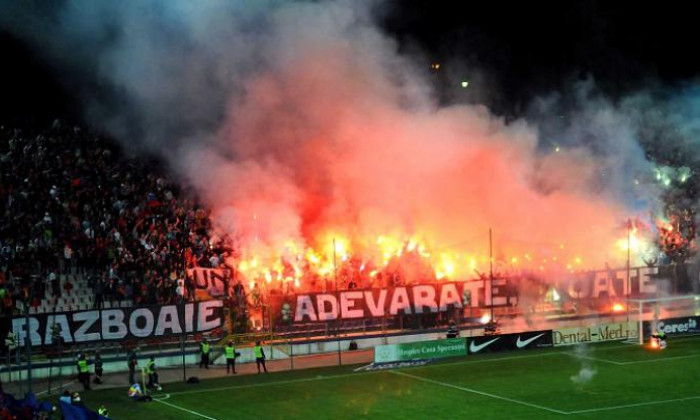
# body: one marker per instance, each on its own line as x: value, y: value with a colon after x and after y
x: 601, y: 381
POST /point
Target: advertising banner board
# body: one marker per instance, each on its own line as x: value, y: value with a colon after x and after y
x: 595, y: 334
x: 433, y: 349
x: 509, y: 342
x: 675, y: 326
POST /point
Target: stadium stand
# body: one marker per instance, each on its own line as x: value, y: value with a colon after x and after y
x: 83, y: 225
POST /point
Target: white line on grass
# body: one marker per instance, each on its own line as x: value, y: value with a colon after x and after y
x: 346, y: 375
x: 617, y: 407
x: 177, y: 407
x: 661, y: 359
x: 671, y: 340
x: 272, y: 383
x: 55, y: 388
x: 576, y: 356
x: 474, y: 391
x: 634, y: 362
x: 498, y: 359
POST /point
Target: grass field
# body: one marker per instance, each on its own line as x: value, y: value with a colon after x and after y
x: 629, y: 382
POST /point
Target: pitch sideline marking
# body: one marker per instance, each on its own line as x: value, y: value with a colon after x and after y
x: 498, y: 359
x: 474, y: 391
x: 177, y: 407
x: 55, y: 388
x: 617, y: 407
x: 689, y: 337
x: 634, y: 362
x: 164, y: 397
x: 272, y: 383
x: 576, y: 356
x: 661, y: 359
x: 319, y: 378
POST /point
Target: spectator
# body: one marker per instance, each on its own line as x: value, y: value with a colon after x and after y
x: 70, y: 201
x: 67, y: 287
x: 66, y: 397
x: 99, y: 293
x: 132, y: 361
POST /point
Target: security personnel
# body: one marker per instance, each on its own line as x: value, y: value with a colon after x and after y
x: 132, y: 361
x: 98, y: 368
x: 259, y: 356
x: 83, y: 372
x: 102, y: 410
x: 205, y: 348
x: 230, y: 357
x: 152, y: 375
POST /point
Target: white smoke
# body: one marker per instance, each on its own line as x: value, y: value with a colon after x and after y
x: 297, y: 120
x: 586, y: 372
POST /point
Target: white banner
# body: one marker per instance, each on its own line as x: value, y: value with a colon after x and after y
x: 595, y: 334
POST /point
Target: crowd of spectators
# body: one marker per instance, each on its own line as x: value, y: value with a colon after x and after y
x: 72, y: 201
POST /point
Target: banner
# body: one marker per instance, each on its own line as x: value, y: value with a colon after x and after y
x: 508, y: 342
x: 211, y: 282
x: 674, y: 326
x: 595, y: 334
x: 434, y: 349
x: 390, y: 301
x: 118, y: 324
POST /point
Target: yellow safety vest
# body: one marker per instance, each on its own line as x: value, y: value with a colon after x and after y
x: 83, y: 366
x: 258, y: 352
x: 230, y: 352
x: 205, y: 348
x: 150, y: 366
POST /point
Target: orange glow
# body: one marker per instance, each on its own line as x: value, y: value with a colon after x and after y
x: 371, y: 261
x: 618, y: 307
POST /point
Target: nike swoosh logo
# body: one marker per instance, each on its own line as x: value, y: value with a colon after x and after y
x: 521, y: 344
x: 475, y: 348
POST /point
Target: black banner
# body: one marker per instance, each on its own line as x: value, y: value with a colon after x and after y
x: 674, y: 326
x: 136, y: 323
x: 509, y: 342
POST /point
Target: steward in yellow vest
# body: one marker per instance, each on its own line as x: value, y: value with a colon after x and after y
x: 205, y: 349
x: 230, y: 357
x: 83, y: 372
x: 259, y: 356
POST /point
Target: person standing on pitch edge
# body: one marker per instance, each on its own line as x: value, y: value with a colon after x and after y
x: 152, y: 375
x: 259, y: 356
x: 132, y: 361
x: 98, y: 368
x: 205, y: 348
x: 83, y: 372
x: 230, y: 357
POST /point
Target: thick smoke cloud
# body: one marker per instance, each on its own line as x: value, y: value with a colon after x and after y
x: 300, y: 121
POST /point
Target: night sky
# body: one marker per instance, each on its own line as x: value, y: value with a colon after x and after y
x: 520, y: 49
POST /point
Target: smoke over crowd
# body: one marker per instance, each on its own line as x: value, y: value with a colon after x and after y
x: 300, y: 123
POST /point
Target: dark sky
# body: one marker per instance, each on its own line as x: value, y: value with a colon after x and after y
x: 523, y: 48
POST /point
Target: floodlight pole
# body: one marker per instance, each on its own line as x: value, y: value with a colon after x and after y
x: 53, y: 338
x: 491, y: 273
x: 183, y: 340
x: 629, y: 286
x: 28, y: 342
x: 337, y: 296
